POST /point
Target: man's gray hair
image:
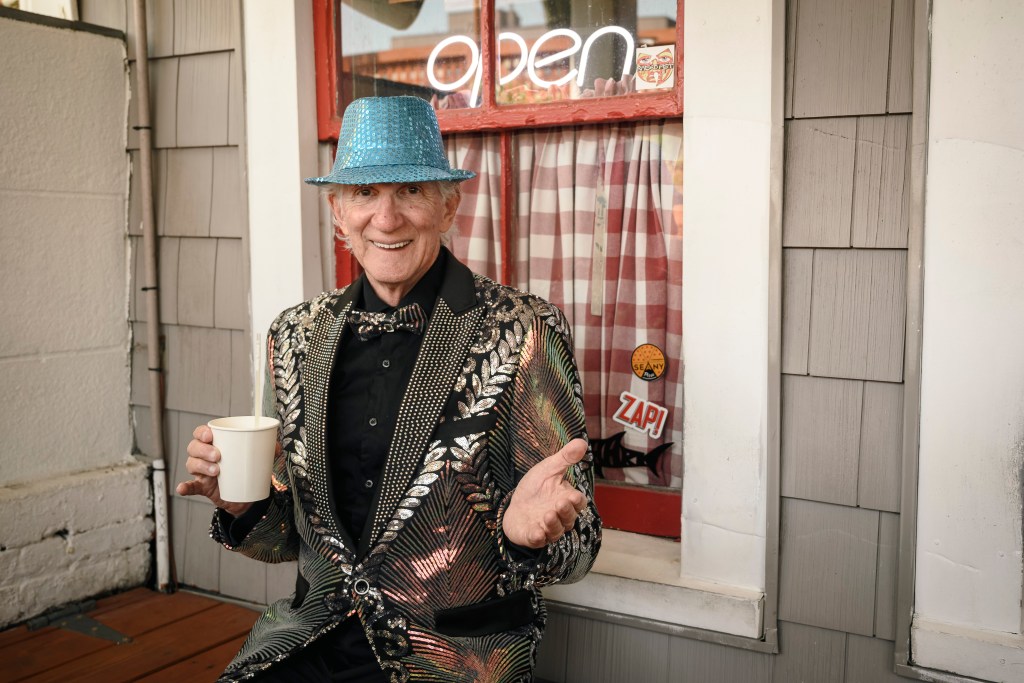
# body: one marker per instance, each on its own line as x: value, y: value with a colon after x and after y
x: 446, y: 188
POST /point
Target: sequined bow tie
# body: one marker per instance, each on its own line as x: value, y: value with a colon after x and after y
x: 368, y: 325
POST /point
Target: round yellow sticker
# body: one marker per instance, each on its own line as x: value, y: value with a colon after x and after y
x: 648, y: 362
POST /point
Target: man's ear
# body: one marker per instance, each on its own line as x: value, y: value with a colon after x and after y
x: 452, y: 206
x: 336, y: 211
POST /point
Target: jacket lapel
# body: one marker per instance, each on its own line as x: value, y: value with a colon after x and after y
x: 456, y: 317
x: 329, y: 330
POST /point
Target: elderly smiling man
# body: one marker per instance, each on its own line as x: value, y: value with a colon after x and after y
x: 433, y: 471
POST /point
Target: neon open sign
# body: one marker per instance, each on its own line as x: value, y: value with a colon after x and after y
x: 528, y: 59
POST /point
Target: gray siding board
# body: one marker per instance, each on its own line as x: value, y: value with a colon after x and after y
x: 821, y: 420
x: 203, y: 25
x: 858, y: 310
x: 163, y: 84
x: 818, y: 192
x: 203, y: 100
x: 901, y: 57
x: 694, y: 660
x: 827, y: 565
x: 236, y: 105
x: 790, y: 57
x: 179, y: 533
x: 159, y: 27
x: 241, y: 374
x: 842, y: 57
x: 796, y: 309
x: 600, y: 652
x: 551, y: 655
x: 880, y: 197
x: 109, y: 13
x: 281, y: 580
x: 881, y: 447
x: 230, y: 309
x: 202, y: 555
x: 167, y: 276
x: 885, y: 584
x: 199, y: 369
x: 184, y: 424
x: 808, y: 654
x: 870, y: 660
x: 196, y: 276
x: 189, y: 192
x: 227, y: 214
x: 242, y: 577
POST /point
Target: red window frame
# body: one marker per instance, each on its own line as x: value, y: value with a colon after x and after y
x: 638, y: 509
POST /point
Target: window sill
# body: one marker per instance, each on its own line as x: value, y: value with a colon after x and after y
x: 640, y: 576
x: 978, y: 653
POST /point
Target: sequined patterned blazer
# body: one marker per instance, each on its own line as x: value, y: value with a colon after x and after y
x: 439, y: 594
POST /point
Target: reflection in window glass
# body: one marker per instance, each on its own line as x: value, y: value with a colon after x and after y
x: 561, y: 49
x: 387, y: 47
x: 549, y: 50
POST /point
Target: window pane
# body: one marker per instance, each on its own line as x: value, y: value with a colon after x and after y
x: 571, y: 49
x: 388, y: 45
x: 598, y: 232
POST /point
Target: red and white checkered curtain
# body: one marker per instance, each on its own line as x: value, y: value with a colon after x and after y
x: 476, y: 240
x: 599, y: 233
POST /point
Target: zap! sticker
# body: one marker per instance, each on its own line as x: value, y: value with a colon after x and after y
x: 644, y: 416
x: 648, y: 362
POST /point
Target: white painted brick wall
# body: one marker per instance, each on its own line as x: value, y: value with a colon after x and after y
x: 73, y: 537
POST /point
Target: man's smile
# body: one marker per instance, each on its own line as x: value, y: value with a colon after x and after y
x: 396, y: 245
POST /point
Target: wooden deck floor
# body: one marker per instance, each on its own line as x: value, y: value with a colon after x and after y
x: 180, y: 637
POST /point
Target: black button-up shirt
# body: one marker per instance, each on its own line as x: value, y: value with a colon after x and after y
x: 366, y: 391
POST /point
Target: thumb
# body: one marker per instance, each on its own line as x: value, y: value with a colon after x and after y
x: 570, y: 454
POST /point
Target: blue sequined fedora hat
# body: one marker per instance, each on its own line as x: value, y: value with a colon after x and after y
x: 390, y: 140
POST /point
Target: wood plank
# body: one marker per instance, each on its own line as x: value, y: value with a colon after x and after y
x: 236, y: 103
x: 156, y: 612
x: 796, y: 309
x: 842, y: 57
x: 693, y: 660
x: 827, y: 565
x: 227, y: 214
x: 881, y: 447
x: 201, y: 360
x: 870, y: 660
x: 881, y: 183
x: 230, y: 305
x: 791, y: 15
x: 901, y: 58
x: 601, y: 652
x: 818, y: 192
x: 189, y: 192
x: 163, y: 84
x: 551, y: 654
x: 39, y: 655
x: 821, y: 420
x: 203, y: 100
x: 202, y: 26
x: 858, y: 310
x: 205, y: 666
x: 158, y: 648
x: 197, y: 272
x: 202, y: 559
x: 808, y: 653
x: 241, y: 373
x: 19, y: 634
x: 885, y: 581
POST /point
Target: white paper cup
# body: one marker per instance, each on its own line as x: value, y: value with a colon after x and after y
x: 247, y: 445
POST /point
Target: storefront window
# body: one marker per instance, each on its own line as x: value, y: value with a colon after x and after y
x: 561, y: 55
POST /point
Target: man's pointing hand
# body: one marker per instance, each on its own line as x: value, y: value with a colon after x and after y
x: 544, y: 505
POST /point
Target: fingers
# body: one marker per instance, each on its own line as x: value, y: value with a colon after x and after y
x: 569, y: 455
x: 203, y: 433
